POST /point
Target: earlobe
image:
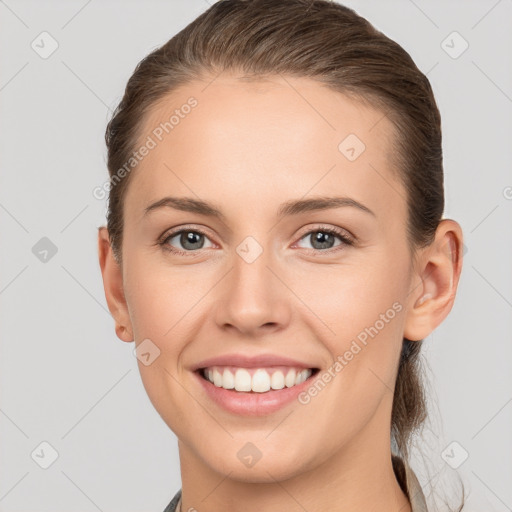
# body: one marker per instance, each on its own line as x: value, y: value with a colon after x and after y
x: 113, y: 286
x: 433, y: 290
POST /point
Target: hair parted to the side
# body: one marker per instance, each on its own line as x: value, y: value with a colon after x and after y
x: 330, y: 43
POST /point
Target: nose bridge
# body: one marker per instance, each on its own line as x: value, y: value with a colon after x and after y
x: 251, y: 261
x: 251, y: 297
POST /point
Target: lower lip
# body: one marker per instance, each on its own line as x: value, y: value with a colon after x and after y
x: 251, y: 403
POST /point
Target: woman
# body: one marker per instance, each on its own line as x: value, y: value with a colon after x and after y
x: 276, y: 249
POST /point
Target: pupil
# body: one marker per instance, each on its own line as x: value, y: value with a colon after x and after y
x: 190, y: 237
x: 325, y: 240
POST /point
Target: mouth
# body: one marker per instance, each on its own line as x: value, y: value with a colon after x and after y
x: 256, y: 380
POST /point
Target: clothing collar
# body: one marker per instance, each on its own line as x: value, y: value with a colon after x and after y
x: 409, y: 484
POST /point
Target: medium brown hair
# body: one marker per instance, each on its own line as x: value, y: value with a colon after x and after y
x: 329, y: 43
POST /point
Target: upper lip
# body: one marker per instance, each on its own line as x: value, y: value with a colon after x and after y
x: 244, y: 361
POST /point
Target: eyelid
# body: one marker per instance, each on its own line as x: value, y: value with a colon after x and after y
x: 345, y: 236
x: 182, y: 227
x: 342, y: 232
x: 172, y: 232
x: 305, y: 231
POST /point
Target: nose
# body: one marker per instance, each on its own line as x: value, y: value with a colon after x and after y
x: 252, y: 298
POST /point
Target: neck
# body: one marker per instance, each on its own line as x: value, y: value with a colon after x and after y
x: 359, y: 476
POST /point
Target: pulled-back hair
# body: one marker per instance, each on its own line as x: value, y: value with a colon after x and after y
x: 329, y: 43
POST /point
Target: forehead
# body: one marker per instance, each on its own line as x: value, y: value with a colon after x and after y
x: 281, y: 136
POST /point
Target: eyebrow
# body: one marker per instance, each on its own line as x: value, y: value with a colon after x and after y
x: 293, y: 207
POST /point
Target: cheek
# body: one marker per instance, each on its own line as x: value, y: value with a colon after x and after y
x: 162, y: 299
x: 163, y: 308
x: 160, y: 303
x: 359, y: 318
x: 365, y: 319
x: 347, y: 300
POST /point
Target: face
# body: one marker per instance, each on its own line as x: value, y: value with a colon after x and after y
x: 315, y: 285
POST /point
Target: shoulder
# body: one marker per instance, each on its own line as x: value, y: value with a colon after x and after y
x: 174, y: 502
x: 409, y: 484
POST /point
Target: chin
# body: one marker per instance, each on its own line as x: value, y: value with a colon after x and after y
x: 246, y: 463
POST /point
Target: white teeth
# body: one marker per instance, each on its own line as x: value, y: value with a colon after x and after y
x: 242, y: 380
x: 260, y: 381
x: 217, y: 378
x: 277, y: 380
x: 300, y: 378
x: 290, y: 379
x: 228, y: 380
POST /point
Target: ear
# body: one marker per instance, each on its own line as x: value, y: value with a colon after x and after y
x: 113, y: 285
x: 435, y: 281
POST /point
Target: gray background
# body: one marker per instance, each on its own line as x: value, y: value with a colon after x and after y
x: 67, y: 380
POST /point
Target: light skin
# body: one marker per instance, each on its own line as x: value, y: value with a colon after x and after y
x: 249, y: 147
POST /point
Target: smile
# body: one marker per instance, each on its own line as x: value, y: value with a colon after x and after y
x: 257, y: 380
x: 254, y: 391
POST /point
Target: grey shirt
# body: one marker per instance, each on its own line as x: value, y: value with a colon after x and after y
x: 404, y: 474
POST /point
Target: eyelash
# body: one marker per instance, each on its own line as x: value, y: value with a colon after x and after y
x: 345, y: 239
